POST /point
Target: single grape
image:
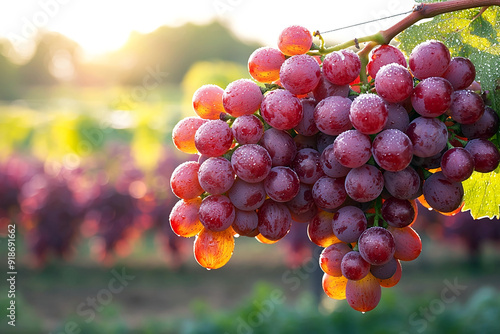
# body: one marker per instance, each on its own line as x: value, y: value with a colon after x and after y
x: 457, y: 164
x: 184, y: 132
x: 307, y: 165
x: 216, y: 176
x: 334, y: 287
x: 485, y: 154
x: 331, y: 115
x: 280, y: 146
x: 348, y: 223
x: 319, y: 229
x: 392, y: 150
x: 264, y: 64
x: 376, y: 245
x: 326, y: 89
x: 300, y: 74
x: 213, y: 250
x: 184, y: 219
x: 329, y: 193
x: 352, y: 149
x: 307, y: 126
x: 242, y: 97
x: 214, y: 138
x: 408, y: 243
x: 397, y: 117
x: 184, y: 180
x: 442, y: 194
x: 281, y: 109
x: 217, y: 212
x: 460, y: 73
x: 432, y: 97
x: 247, y: 196
x: 331, y: 167
x: 274, y: 220
x: 282, y: 184
x: 245, y: 223
x: 251, y: 163
x: 354, y: 267
x: 385, y: 271
x: 341, y: 67
x: 394, y: 279
x: 466, y: 107
x: 207, y: 101
x: 383, y: 55
x: 247, y: 129
x: 428, y: 135
x: 398, y: 212
x: 429, y: 59
x: 295, y: 40
x: 404, y: 184
x: 363, y: 295
x: 394, y: 83
x: 364, y: 184
x: 368, y: 113
x: 330, y: 258
x: 485, y: 127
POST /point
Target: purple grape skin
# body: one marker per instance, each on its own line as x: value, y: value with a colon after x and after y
x: 432, y: 97
x: 460, y: 73
x: 404, y: 184
x: 281, y: 109
x: 394, y: 83
x: 442, y: 194
x: 331, y: 167
x: 307, y: 165
x: 383, y: 55
x: 217, y: 212
x: 325, y: 89
x: 216, y: 176
x: 485, y: 154
x: 303, y: 201
x: 428, y: 135
x: 353, y: 266
x: 247, y: 129
x: 282, y: 184
x: 302, y: 141
x: 251, y: 162
x: 245, y: 222
x: 386, y: 270
x: 348, y: 223
x: 341, y: 67
x: 280, y: 146
x: 352, y: 148
x: 429, y: 59
x: 457, y: 164
x: 274, y: 220
x: 329, y: 193
x: 368, y: 113
x: 432, y: 162
x: 485, y: 127
x: 323, y: 140
x: 392, y: 150
x: 213, y: 138
x: 466, y: 106
x: 331, y: 115
x: 398, y: 212
x: 247, y: 196
x: 397, y: 118
x: 307, y: 126
x: 376, y: 245
x: 300, y: 74
x: 364, y: 184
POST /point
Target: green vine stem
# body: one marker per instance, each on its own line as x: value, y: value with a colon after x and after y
x: 420, y: 12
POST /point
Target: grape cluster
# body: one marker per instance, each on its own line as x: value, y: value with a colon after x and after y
x: 312, y: 145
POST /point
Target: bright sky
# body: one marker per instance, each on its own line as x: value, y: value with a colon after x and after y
x: 104, y: 25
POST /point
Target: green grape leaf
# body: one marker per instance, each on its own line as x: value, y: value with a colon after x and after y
x: 482, y: 194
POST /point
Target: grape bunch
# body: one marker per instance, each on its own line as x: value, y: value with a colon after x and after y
x: 307, y: 142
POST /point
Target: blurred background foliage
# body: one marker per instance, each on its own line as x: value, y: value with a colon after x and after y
x: 85, y: 162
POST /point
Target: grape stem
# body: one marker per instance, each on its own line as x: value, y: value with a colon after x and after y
x: 420, y: 12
